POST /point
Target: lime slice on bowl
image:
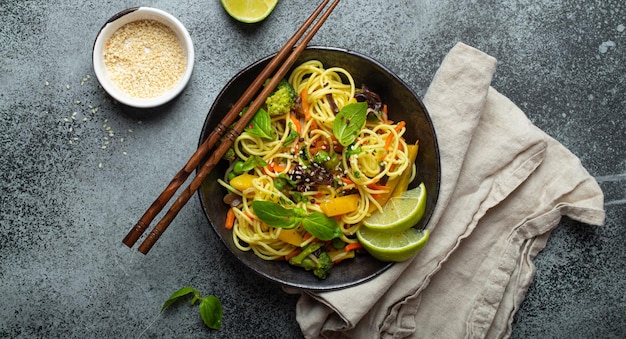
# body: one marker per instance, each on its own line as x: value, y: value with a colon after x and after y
x: 394, y: 247
x: 399, y: 213
x: 249, y: 11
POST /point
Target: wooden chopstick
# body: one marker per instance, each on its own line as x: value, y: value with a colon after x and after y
x: 215, y: 136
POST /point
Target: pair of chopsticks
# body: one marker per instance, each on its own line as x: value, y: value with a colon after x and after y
x: 287, y: 56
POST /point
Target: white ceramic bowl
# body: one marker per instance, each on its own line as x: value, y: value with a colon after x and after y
x: 131, y: 15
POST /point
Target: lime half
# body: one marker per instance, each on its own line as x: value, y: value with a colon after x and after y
x: 399, y: 213
x: 393, y: 246
x: 249, y: 11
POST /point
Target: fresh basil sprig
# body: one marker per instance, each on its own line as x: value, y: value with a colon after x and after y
x: 210, y: 306
x: 316, y: 223
x: 349, y: 121
x: 261, y: 125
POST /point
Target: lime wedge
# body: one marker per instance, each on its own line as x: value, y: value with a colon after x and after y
x: 399, y: 213
x: 393, y: 246
x: 249, y: 11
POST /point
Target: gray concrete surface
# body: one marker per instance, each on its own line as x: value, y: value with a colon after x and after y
x: 66, y: 200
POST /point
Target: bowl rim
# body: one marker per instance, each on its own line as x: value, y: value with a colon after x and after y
x: 135, y: 14
x: 307, y: 286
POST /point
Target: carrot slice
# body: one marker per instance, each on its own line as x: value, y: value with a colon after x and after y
x: 353, y: 246
x: 296, y: 123
x: 230, y: 219
x: 399, y: 126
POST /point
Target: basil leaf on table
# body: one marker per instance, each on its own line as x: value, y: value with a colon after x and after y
x: 211, y: 312
x: 349, y: 121
x: 210, y: 306
x: 261, y: 125
x: 321, y: 226
x: 275, y: 215
x: 181, y: 293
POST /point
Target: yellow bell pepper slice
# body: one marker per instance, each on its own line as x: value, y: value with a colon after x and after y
x: 340, y: 205
x: 291, y: 237
x: 242, y: 181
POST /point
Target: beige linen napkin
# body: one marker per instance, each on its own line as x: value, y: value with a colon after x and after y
x: 505, y: 185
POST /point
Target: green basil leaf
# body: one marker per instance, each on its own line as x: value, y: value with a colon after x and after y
x: 275, y: 215
x: 211, y: 312
x: 321, y: 226
x: 252, y: 162
x: 261, y: 125
x: 181, y: 293
x: 349, y: 121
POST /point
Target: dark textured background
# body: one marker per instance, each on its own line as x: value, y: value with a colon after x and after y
x: 77, y: 171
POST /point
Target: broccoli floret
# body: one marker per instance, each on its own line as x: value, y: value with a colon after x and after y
x: 321, y: 266
x: 282, y: 99
x: 324, y: 264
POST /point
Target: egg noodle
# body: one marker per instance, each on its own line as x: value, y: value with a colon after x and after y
x: 378, y: 154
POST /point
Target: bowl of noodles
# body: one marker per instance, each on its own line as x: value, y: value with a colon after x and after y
x: 289, y: 196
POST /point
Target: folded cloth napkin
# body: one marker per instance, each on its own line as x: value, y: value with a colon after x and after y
x: 505, y: 185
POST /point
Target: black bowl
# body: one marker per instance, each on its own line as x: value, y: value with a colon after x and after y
x: 403, y: 104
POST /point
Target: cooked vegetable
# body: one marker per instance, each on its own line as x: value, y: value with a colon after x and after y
x: 340, y: 205
x: 243, y: 181
x: 320, y: 264
x: 282, y: 99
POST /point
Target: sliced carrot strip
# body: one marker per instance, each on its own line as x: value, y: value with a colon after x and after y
x: 399, y: 126
x: 296, y: 123
x: 353, y: 246
x: 230, y: 219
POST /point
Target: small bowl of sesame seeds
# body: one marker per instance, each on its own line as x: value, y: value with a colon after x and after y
x: 143, y: 57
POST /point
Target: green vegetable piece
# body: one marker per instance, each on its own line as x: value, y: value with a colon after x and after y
x: 321, y: 226
x: 261, y: 125
x: 211, y: 312
x: 282, y: 99
x: 275, y: 215
x: 349, y: 121
x: 181, y: 293
x: 293, y: 135
x: 321, y: 267
x: 238, y: 167
x: 324, y: 264
x: 306, y: 251
x: 252, y: 162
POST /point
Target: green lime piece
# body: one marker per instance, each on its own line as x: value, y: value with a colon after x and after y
x: 394, y: 247
x: 249, y: 11
x: 399, y: 213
